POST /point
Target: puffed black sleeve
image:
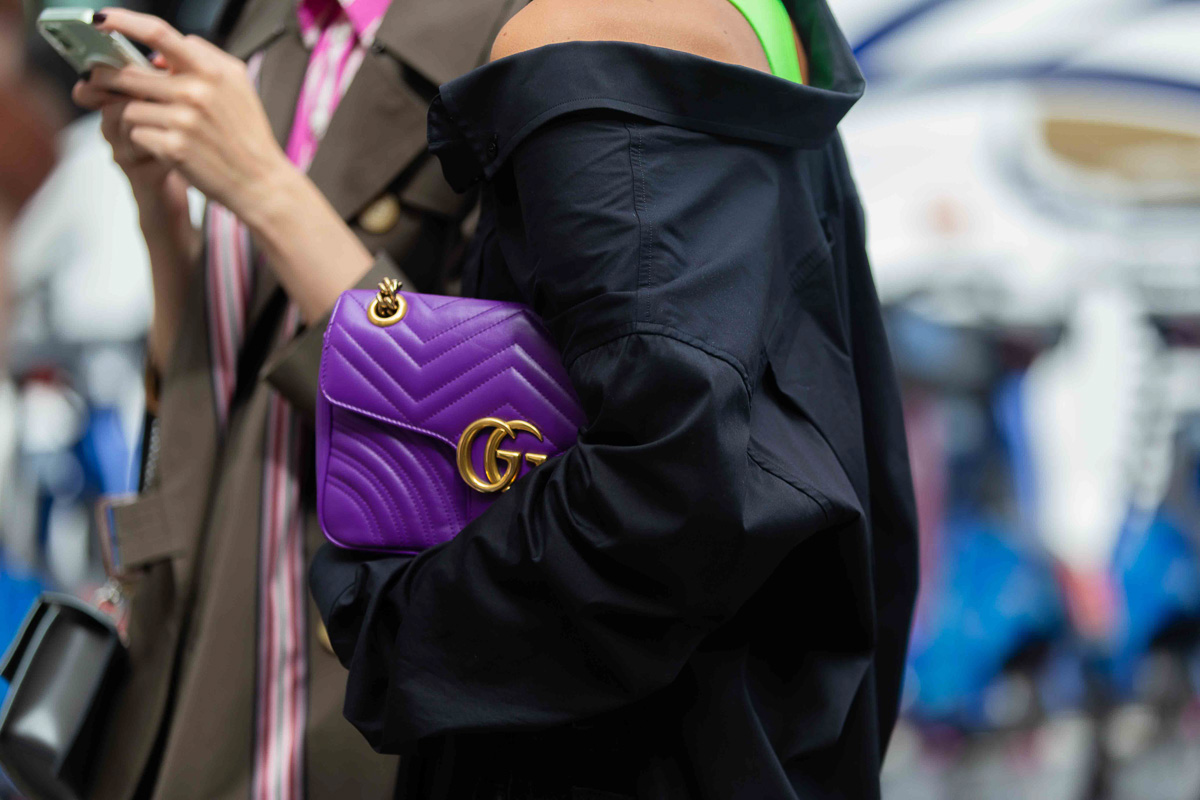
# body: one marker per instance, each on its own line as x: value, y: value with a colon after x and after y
x: 591, y: 582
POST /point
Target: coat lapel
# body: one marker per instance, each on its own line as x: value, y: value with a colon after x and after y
x: 284, y: 64
x: 270, y: 27
x: 377, y: 130
x: 281, y: 76
x: 259, y: 22
x: 379, y: 127
x: 443, y: 40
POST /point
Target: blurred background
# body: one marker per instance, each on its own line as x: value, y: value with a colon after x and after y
x: 1031, y: 174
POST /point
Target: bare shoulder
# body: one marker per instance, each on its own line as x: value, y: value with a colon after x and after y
x: 710, y: 28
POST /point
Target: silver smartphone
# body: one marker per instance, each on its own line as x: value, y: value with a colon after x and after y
x: 71, y: 33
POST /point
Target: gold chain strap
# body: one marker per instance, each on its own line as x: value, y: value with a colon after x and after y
x: 388, y: 307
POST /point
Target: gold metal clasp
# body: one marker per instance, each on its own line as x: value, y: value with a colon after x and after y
x: 492, y: 456
x: 388, y: 307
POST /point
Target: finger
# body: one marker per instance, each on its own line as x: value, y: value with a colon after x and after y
x: 93, y: 98
x: 179, y: 51
x: 158, y: 115
x: 112, y: 127
x: 164, y: 144
x: 139, y: 83
x: 110, y: 122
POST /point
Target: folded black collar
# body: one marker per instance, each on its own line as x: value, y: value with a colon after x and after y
x: 477, y: 120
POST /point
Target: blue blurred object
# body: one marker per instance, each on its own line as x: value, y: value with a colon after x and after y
x: 1009, y: 409
x: 944, y: 355
x: 1156, y: 572
x: 999, y: 600
x: 18, y: 591
x: 106, y: 459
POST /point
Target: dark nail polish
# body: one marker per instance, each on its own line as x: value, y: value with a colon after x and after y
x: 98, y: 17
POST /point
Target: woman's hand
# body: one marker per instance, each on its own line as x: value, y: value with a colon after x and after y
x: 160, y: 191
x: 200, y: 114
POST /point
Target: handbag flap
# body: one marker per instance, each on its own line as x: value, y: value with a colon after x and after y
x: 449, y: 362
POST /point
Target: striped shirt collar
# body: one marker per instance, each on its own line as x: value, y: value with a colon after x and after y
x: 364, y: 16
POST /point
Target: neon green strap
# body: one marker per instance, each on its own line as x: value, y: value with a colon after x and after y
x: 773, y: 26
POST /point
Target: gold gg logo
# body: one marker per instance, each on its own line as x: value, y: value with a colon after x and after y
x: 501, y: 430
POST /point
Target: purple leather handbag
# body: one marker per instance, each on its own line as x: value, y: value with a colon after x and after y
x: 430, y: 407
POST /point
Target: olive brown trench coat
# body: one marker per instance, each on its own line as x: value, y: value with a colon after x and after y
x: 184, y: 723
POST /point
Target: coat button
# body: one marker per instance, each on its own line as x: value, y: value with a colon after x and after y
x: 381, y: 216
x: 494, y: 147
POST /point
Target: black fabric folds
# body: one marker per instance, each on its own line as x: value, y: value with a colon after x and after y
x: 709, y: 595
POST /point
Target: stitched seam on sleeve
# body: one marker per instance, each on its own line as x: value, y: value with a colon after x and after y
x: 810, y: 492
x: 641, y: 205
x: 667, y: 332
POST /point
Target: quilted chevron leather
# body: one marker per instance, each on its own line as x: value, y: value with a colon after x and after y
x: 394, y: 402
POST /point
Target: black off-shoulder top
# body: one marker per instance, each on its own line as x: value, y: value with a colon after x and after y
x: 709, y: 595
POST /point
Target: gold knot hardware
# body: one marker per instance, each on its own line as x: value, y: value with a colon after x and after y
x: 389, y: 302
x: 492, y: 456
x: 389, y: 306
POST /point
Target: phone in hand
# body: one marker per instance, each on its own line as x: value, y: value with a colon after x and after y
x: 70, y: 32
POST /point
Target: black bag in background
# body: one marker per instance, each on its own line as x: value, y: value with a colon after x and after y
x: 63, y: 669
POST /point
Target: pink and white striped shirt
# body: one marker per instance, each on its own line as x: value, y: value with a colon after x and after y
x: 339, y: 33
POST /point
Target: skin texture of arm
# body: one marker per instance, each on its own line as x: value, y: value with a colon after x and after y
x: 711, y: 28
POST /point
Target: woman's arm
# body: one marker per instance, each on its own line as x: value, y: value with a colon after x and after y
x: 309, y: 246
x: 202, y: 117
x: 172, y: 242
